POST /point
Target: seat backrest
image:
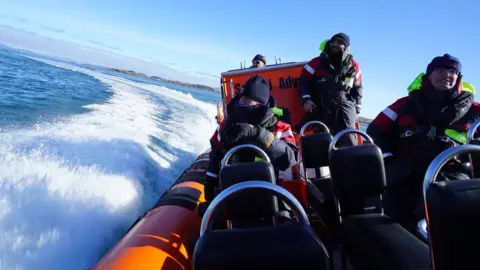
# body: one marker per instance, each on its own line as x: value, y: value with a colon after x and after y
x: 314, y: 148
x: 358, y: 173
x: 282, y: 247
x: 454, y: 223
x: 251, y: 204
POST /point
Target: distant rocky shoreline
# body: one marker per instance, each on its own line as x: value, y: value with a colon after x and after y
x: 156, y: 78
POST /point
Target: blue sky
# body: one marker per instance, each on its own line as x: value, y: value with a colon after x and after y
x: 392, y: 40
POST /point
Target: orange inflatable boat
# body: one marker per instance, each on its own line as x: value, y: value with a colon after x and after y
x: 320, y: 233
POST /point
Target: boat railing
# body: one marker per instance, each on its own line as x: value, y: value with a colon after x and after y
x: 304, y: 127
x: 471, y: 131
x: 302, y: 134
x: 344, y: 132
x: 265, y: 68
x: 237, y: 148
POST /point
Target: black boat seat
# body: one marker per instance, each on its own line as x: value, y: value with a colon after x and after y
x: 357, y: 174
x: 375, y: 241
x: 372, y: 240
x: 251, y: 206
x: 454, y: 214
x: 285, y: 246
x: 314, y: 149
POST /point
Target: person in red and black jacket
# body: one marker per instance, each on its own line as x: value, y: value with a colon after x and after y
x: 330, y: 87
x: 251, y: 119
x: 413, y: 130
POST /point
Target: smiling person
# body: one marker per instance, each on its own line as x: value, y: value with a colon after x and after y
x: 413, y: 130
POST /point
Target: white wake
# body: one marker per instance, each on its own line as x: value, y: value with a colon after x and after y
x: 69, y: 189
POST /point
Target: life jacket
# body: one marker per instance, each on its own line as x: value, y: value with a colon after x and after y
x: 420, y: 139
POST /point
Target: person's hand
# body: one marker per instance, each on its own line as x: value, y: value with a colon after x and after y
x: 237, y: 132
x: 246, y: 133
x: 309, y: 106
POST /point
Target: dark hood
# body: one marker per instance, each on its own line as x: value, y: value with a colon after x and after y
x: 269, y: 119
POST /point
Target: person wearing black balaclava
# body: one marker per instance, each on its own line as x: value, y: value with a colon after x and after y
x: 330, y: 88
x: 251, y: 119
x: 413, y: 130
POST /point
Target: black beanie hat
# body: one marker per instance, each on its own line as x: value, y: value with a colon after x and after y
x: 445, y: 61
x: 342, y: 37
x: 261, y: 58
x: 256, y: 88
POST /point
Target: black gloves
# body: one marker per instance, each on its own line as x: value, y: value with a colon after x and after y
x: 239, y: 131
x: 245, y: 133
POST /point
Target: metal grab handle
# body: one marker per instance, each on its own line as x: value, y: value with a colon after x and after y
x: 235, y: 149
x: 284, y: 195
x: 345, y: 132
x: 471, y: 130
x: 439, y: 161
x: 302, y: 130
x: 422, y: 229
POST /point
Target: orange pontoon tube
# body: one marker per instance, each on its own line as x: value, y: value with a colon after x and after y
x: 165, y: 237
